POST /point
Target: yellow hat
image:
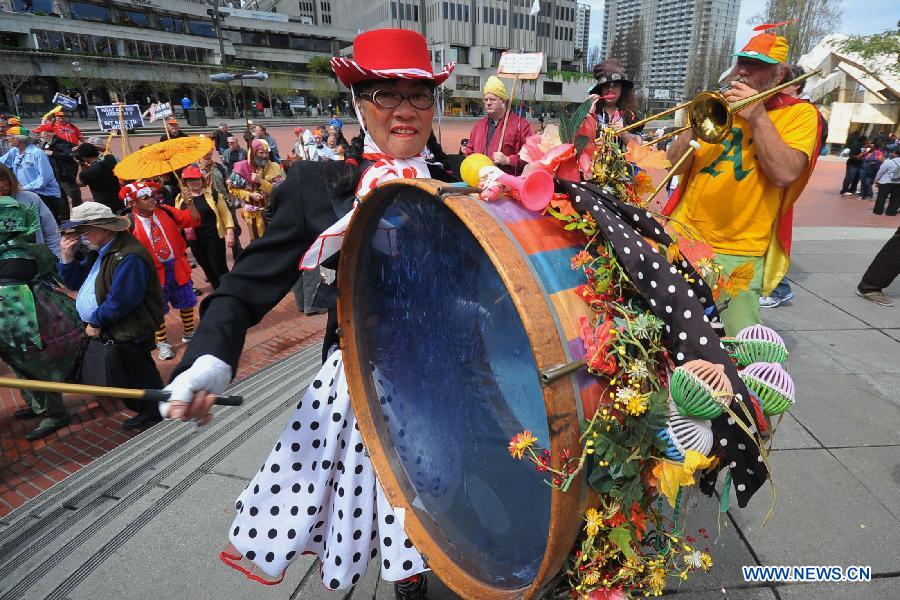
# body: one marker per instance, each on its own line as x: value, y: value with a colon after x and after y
x: 494, y: 86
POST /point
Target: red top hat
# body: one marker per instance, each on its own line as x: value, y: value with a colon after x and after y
x: 389, y: 54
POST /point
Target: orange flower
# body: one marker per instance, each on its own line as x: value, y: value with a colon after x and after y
x: 643, y: 183
x: 561, y: 203
x: 520, y: 443
x: 581, y: 259
x: 646, y: 158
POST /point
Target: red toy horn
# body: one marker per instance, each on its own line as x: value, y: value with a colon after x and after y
x: 535, y: 190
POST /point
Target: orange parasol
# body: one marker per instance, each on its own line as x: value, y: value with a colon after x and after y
x: 163, y: 157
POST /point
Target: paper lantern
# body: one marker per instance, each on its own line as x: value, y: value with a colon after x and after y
x: 699, y: 389
x: 758, y: 343
x: 772, y: 385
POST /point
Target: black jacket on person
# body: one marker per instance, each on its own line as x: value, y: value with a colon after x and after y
x: 62, y: 159
x: 303, y: 206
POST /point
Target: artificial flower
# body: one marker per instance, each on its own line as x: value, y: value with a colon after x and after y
x: 582, y: 258
x: 562, y: 204
x: 608, y: 594
x: 638, y: 370
x: 546, y: 152
x: 643, y: 183
x: 706, y: 267
x: 593, y: 521
x: 601, y: 360
x: 672, y: 475
x: 637, y: 405
x: 657, y: 580
x: 520, y: 443
x: 591, y: 579
x: 645, y: 157
x: 693, y: 559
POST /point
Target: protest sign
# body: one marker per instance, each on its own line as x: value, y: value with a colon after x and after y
x: 108, y: 116
x: 520, y: 66
x: 159, y: 110
x: 65, y: 101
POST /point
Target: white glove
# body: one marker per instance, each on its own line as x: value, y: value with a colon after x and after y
x: 207, y: 373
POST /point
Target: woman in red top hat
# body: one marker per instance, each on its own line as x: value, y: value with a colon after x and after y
x: 317, y: 492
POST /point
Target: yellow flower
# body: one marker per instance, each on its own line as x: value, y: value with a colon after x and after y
x: 593, y: 521
x: 657, y: 580
x: 637, y: 405
x: 591, y: 579
x: 520, y: 443
x: 705, y: 561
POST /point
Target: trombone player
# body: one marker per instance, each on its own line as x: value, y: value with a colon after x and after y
x: 738, y: 194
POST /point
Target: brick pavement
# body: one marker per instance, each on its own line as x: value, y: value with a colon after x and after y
x: 27, y: 468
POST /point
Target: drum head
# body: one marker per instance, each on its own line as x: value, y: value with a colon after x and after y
x: 450, y: 377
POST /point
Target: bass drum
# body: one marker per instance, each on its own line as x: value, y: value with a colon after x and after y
x: 450, y: 309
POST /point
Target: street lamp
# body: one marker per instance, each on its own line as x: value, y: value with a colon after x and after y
x: 227, y: 78
x: 217, y: 20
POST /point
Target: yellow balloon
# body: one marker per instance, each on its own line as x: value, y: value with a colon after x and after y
x: 470, y: 167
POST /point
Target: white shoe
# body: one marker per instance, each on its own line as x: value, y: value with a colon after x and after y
x: 164, y: 351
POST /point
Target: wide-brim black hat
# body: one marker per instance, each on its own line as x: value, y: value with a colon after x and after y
x: 610, y: 71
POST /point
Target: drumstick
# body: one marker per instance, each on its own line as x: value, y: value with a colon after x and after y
x: 99, y: 390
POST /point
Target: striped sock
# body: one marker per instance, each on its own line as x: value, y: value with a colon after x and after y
x: 161, y: 333
x: 187, y: 320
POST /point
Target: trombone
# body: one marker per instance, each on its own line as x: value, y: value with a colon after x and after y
x: 710, y: 116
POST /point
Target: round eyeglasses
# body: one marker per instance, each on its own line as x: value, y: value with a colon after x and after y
x: 391, y: 99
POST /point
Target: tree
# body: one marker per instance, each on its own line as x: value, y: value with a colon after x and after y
x: 82, y: 77
x: 814, y: 19
x: 876, y: 48
x: 628, y: 47
x: 121, y: 87
x: 322, y: 88
x: 593, y: 56
x: 12, y: 83
x: 164, y: 88
x: 320, y: 65
x: 210, y: 89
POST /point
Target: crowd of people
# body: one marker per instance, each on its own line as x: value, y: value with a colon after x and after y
x: 124, y: 254
x: 128, y: 253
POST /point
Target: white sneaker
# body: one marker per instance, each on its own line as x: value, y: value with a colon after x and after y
x: 164, y: 351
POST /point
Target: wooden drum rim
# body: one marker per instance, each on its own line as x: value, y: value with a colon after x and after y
x: 533, y: 307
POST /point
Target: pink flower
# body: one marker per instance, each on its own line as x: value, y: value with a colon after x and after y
x: 546, y: 152
x: 612, y: 594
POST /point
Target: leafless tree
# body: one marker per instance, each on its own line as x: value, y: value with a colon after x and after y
x: 593, y: 56
x: 12, y: 83
x: 814, y: 19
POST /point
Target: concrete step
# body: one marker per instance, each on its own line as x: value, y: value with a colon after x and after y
x: 55, y: 545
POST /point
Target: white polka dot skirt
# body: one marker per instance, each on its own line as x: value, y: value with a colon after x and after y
x: 317, y: 494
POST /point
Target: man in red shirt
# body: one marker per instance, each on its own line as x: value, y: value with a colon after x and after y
x: 485, y: 136
x: 156, y: 227
x: 62, y: 128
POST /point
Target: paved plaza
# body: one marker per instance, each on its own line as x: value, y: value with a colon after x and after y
x: 145, y: 516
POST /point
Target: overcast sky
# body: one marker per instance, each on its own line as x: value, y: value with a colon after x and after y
x: 877, y: 16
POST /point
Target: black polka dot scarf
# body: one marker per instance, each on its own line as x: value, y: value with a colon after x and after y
x: 688, y: 311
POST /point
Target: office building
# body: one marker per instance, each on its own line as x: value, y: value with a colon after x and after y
x: 672, y: 48
x: 582, y: 32
x: 474, y: 33
x: 143, y: 50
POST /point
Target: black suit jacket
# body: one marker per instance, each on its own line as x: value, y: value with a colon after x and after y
x: 303, y: 206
